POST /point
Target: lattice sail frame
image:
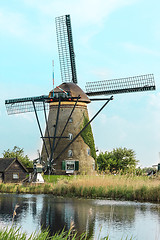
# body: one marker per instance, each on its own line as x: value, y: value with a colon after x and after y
x: 24, y: 105
x: 66, y: 49
x: 32, y: 104
x: 121, y: 85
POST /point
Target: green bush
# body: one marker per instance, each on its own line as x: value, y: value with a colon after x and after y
x: 101, y: 192
x: 47, y: 189
x: 87, y: 136
x: 79, y: 191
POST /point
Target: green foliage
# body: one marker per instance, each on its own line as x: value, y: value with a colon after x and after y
x: 148, y: 169
x: 87, y: 136
x: 139, y: 172
x: 18, y: 153
x: 120, y: 159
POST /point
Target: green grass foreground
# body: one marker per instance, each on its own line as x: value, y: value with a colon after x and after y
x: 122, y: 187
x: 17, y: 234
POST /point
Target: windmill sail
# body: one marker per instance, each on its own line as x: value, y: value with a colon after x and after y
x: 121, y: 85
x: 65, y: 49
x: 24, y: 105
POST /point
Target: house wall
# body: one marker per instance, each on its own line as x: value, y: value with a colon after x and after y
x: 15, y: 168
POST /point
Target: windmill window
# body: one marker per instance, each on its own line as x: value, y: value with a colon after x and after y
x: 70, y: 136
x: 88, y: 151
x: 93, y: 166
x: 70, y: 153
x: 70, y: 166
x: 70, y: 120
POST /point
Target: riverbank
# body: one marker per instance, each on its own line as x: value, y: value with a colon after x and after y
x: 131, y: 188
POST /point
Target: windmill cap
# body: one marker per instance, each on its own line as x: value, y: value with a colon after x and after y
x: 74, y: 90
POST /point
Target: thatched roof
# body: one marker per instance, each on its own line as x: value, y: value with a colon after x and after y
x: 6, y: 162
x: 74, y: 91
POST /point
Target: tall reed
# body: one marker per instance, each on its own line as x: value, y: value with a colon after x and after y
x: 17, y: 234
x: 124, y: 187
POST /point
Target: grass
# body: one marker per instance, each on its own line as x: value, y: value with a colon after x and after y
x: 56, y: 178
x: 123, y: 187
x: 17, y: 234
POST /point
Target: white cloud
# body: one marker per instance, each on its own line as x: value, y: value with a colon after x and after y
x: 12, y: 23
x: 140, y: 49
x: 155, y: 101
x: 101, y: 73
x: 39, y: 29
x: 27, y: 116
x: 85, y: 11
x: 140, y: 133
x: 20, y: 26
x: 154, y: 109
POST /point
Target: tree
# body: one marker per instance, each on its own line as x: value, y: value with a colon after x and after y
x: 120, y: 159
x: 18, y: 153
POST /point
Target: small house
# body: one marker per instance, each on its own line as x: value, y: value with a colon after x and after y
x: 12, y: 170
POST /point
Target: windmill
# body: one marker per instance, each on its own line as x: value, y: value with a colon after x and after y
x: 68, y: 144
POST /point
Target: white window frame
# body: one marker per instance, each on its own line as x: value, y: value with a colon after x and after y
x: 15, y: 176
x: 70, y: 153
x: 89, y: 151
x: 70, y: 120
x: 70, y: 163
x: 70, y: 136
x: 93, y: 166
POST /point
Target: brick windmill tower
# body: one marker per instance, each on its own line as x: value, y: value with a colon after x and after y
x: 68, y: 144
x: 65, y: 120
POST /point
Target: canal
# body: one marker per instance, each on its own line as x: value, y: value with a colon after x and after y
x: 99, y: 218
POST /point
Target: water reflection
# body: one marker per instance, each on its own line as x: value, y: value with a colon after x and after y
x: 96, y: 217
x: 58, y: 214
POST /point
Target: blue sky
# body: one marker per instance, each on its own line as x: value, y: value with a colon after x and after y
x: 112, y: 39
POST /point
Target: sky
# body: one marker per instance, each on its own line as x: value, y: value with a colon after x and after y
x: 112, y: 39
